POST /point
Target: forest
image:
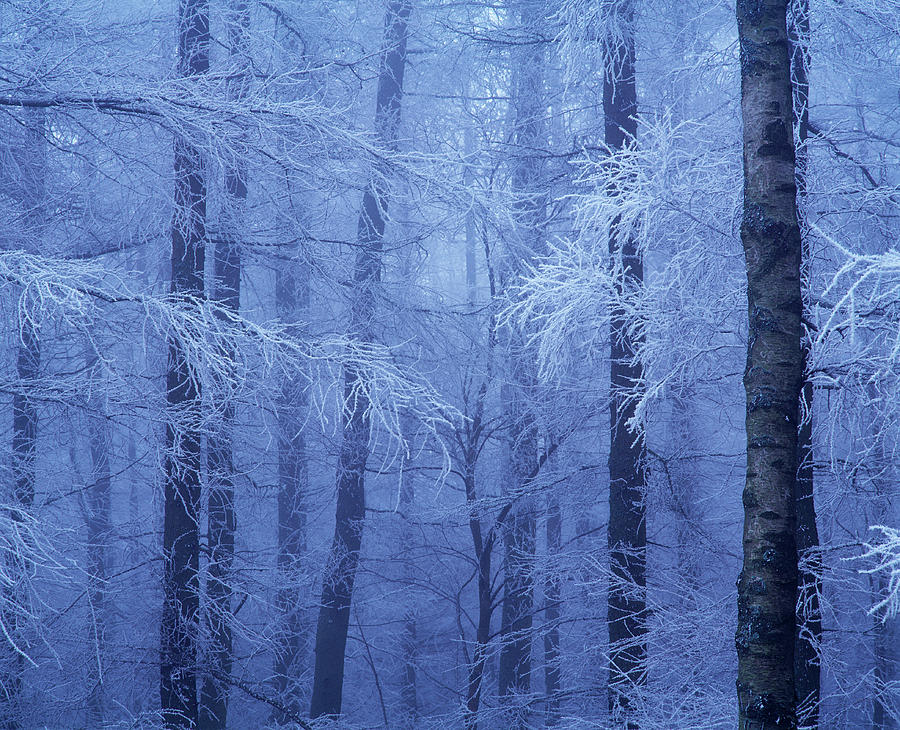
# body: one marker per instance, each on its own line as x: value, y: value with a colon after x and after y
x: 479, y: 364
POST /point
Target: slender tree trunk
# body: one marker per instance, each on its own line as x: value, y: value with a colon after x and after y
x: 25, y: 417
x: 627, y: 532
x: 809, y: 618
x: 767, y: 588
x: 181, y: 534
x: 340, y: 573
x: 99, y: 525
x: 409, y: 643
x: 552, y: 612
x: 292, y: 295
x: 220, y: 452
x: 529, y: 135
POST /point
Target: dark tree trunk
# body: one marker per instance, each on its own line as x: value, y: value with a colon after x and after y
x: 627, y: 532
x: 292, y: 295
x: 181, y: 534
x: 527, y: 186
x: 25, y: 417
x: 767, y: 588
x: 226, y: 290
x: 552, y: 613
x: 409, y: 643
x: 98, y: 514
x: 807, y: 668
x: 340, y: 573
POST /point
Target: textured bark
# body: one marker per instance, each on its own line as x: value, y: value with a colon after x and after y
x: 181, y: 534
x: 767, y: 587
x: 213, y: 712
x: 627, y: 531
x: 340, y: 573
x: 807, y: 668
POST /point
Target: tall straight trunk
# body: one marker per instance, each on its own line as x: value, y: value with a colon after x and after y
x: 340, y: 573
x: 409, y: 642
x: 885, y: 702
x: 181, y: 533
x: 98, y: 512
x: 25, y: 415
x: 807, y: 669
x: 292, y: 300
x: 527, y: 181
x: 627, y: 531
x: 770, y: 232
x: 226, y: 290
x: 552, y: 613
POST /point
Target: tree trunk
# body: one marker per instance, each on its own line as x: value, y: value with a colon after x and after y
x: 340, y: 573
x: 767, y: 587
x: 181, y: 534
x: 99, y: 525
x: 25, y: 415
x: 529, y: 196
x: 409, y: 643
x: 627, y: 532
x: 292, y: 298
x: 809, y: 618
x: 220, y: 453
x: 552, y: 613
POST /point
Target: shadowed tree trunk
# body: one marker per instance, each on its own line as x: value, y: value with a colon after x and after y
x: 552, y: 612
x: 226, y: 290
x: 767, y: 587
x: 627, y: 531
x: 340, y: 573
x: 33, y: 167
x: 181, y: 533
x: 529, y: 135
x: 292, y: 298
x: 98, y: 516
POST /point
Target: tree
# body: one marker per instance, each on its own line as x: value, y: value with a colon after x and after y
x: 770, y: 233
x: 181, y: 521
x: 340, y: 572
x: 627, y: 532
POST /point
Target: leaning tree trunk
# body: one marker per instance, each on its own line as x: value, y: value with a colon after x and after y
x: 807, y: 669
x: 340, y: 573
x: 627, y: 531
x: 529, y: 135
x: 213, y: 712
x: 181, y: 533
x: 770, y: 233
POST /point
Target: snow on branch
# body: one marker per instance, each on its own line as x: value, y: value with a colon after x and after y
x: 232, y: 355
x: 885, y: 553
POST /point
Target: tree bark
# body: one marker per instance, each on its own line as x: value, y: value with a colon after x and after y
x: 181, y: 534
x: 552, y: 613
x: 807, y: 670
x: 220, y: 453
x: 627, y: 531
x: 770, y: 232
x: 340, y: 573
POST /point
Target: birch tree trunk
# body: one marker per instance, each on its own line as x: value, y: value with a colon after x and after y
x: 340, y: 573
x: 767, y: 587
x: 627, y: 531
x: 181, y: 533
